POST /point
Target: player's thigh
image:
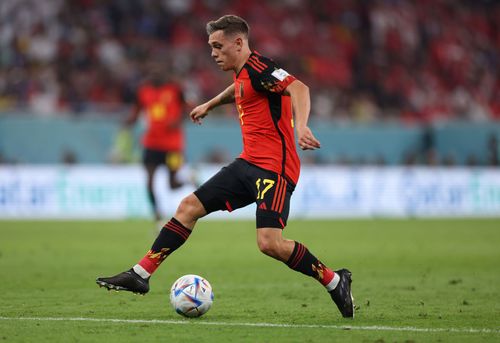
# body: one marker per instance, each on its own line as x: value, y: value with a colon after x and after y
x: 226, y: 190
x: 272, y: 196
x: 151, y: 157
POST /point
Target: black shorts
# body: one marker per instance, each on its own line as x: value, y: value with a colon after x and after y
x: 172, y: 159
x: 240, y: 184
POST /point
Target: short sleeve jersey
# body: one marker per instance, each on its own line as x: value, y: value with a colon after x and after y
x: 163, y: 107
x: 265, y: 115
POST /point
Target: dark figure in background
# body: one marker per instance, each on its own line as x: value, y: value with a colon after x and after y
x: 162, y: 103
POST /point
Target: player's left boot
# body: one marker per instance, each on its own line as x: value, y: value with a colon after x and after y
x: 342, y: 295
x: 127, y: 281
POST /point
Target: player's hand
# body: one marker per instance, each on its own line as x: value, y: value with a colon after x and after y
x: 306, y: 139
x: 198, y: 113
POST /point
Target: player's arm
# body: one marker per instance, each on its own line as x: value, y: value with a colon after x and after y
x: 200, y: 111
x: 133, y: 116
x: 301, y: 103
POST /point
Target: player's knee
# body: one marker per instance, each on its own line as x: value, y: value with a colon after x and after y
x: 190, y: 208
x: 269, y: 247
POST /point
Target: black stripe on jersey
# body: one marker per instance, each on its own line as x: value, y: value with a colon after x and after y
x: 275, y: 109
x: 254, y: 66
x: 274, y: 100
x: 258, y: 62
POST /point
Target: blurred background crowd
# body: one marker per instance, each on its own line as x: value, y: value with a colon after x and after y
x: 365, y: 61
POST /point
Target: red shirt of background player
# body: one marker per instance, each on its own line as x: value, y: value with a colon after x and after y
x: 163, y: 106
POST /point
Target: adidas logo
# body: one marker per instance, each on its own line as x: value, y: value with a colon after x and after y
x: 263, y: 206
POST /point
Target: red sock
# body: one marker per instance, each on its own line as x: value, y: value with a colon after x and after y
x: 328, y: 275
x: 171, y: 237
x: 151, y: 261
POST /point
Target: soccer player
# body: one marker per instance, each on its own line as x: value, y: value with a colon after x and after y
x: 265, y: 173
x: 163, y: 141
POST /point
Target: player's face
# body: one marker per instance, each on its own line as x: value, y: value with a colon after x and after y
x: 224, y: 50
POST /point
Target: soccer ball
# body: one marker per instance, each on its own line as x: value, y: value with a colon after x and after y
x: 191, y: 295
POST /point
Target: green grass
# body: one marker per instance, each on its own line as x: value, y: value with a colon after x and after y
x: 406, y: 273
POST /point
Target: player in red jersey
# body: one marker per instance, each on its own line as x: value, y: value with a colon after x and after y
x: 162, y: 104
x: 265, y: 173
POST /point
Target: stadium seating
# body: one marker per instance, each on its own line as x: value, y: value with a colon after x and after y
x: 365, y: 61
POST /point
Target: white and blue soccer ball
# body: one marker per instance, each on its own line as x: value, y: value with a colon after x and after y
x: 191, y: 295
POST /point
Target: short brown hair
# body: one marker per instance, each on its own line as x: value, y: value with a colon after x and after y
x: 229, y: 24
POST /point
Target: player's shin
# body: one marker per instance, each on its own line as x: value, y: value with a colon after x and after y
x: 170, y: 238
x: 303, y: 261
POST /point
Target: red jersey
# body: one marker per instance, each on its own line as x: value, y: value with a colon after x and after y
x: 163, y: 107
x: 266, y: 117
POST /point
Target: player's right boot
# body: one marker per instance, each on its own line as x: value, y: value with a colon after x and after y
x: 127, y: 281
x: 342, y: 295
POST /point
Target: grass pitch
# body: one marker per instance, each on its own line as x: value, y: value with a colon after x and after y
x: 413, y: 281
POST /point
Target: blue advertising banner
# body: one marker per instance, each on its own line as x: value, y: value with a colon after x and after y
x: 116, y: 192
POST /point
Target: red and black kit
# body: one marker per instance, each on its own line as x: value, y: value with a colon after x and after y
x: 266, y: 117
x: 268, y: 168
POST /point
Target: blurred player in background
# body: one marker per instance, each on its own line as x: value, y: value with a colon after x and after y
x: 265, y: 173
x: 162, y: 103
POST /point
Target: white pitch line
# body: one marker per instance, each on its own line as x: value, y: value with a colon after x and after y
x: 262, y: 325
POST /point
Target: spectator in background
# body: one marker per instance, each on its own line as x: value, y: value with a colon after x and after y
x: 162, y: 103
x: 68, y: 157
x: 419, y: 62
